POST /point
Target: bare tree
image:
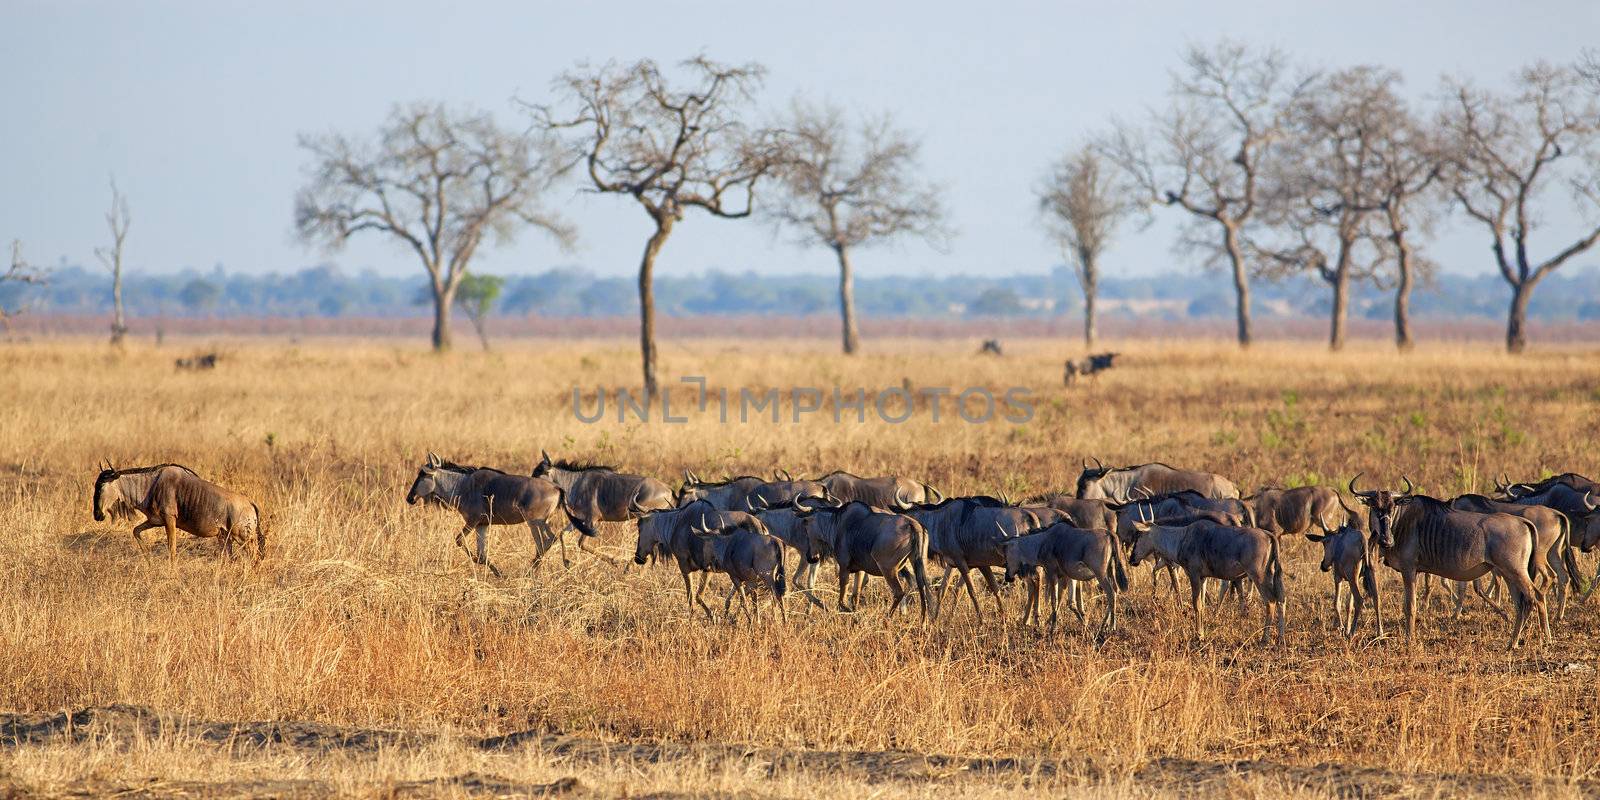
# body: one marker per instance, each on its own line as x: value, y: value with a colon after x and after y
x: 1082, y: 205
x: 671, y: 148
x: 1408, y: 199
x: 117, y: 221
x: 436, y: 181
x: 849, y: 189
x: 1231, y: 104
x: 20, y: 272
x: 1505, y: 152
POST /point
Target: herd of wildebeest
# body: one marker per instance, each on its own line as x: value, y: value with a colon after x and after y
x: 1519, y: 542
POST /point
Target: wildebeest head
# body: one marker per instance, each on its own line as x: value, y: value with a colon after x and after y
x: 108, y: 497
x: 426, y: 485
x: 1089, y: 480
x: 1330, y: 544
x: 1018, y: 560
x: 1383, y: 504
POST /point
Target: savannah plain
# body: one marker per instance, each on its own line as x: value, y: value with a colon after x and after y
x: 366, y: 656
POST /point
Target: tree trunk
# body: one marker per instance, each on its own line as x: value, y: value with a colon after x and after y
x: 1341, y: 302
x: 1517, y: 319
x: 481, y: 325
x: 119, y: 323
x: 1402, y: 295
x: 442, y: 298
x: 1090, y: 281
x: 847, y: 301
x: 1241, y: 283
x: 647, y: 304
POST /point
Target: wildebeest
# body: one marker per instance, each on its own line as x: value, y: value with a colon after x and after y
x: 1294, y: 511
x: 1205, y: 549
x: 742, y: 549
x: 1344, y: 553
x: 785, y: 491
x: 593, y: 493
x: 198, y: 362
x: 1571, y: 480
x: 1553, y: 558
x: 176, y: 498
x: 484, y: 496
x: 887, y: 492
x: 728, y: 494
x: 965, y: 533
x: 1122, y: 484
x: 865, y: 540
x: 1581, y: 507
x: 1090, y: 514
x: 1067, y: 553
x: 1420, y: 534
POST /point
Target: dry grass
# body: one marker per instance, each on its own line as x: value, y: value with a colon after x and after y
x: 364, y: 613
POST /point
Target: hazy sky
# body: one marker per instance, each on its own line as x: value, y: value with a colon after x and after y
x: 195, y: 106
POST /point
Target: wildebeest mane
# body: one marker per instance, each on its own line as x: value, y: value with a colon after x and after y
x: 464, y: 469
x: 141, y: 470
x: 578, y: 466
x: 724, y: 481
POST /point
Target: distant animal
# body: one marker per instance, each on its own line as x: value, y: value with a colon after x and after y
x: 886, y: 492
x: 204, y: 361
x: 1420, y: 534
x: 1098, y: 362
x: 1344, y: 553
x: 176, y: 498
x: 1206, y: 549
x: 1125, y: 484
x: 990, y: 347
x: 1295, y: 511
x: 484, y: 496
x: 1068, y: 554
x: 592, y: 493
x: 867, y: 541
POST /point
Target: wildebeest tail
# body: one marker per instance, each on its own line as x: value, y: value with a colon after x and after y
x: 261, y: 532
x: 1567, y: 559
x: 1276, y: 566
x: 1119, y: 572
x: 779, y: 587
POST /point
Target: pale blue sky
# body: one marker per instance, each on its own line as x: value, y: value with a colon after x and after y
x: 195, y: 106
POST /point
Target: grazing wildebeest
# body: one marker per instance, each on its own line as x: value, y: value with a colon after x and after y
x: 865, y: 540
x: 1122, y: 484
x: 965, y: 533
x: 1205, y: 549
x: 784, y: 523
x: 1294, y: 511
x: 484, y: 497
x: 1344, y: 553
x: 728, y: 494
x: 176, y: 498
x: 1553, y: 559
x: 887, y: 492
x: 1095, y: 514
x: 1419, y: 534
x: 1066, y: 554
x: 680, y: 532
x: 593, y: 493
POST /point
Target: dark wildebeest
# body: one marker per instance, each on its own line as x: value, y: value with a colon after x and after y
x: 484, y: 497
x: 784, y: 523
x: 1419, y: 534
x: 592, y: 493
x: 1205, y: 549
x: 743, y: 549
x: 1571, y: 480
x: 965, y: 533
x: 886, y: 492
x: 728, y: 494
x: 784, y: 491
x: 1067, y: 553
x: 1176, y: 509
x: 1089, y: 514
x: 176, y: 498
x: 866, y: 540
x: 1582, y: 509
x: 1553, y: 559
x: 1344, y: 553
x: 1122, y: 484
x: 1295, y: 511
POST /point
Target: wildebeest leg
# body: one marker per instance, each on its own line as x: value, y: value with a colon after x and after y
x: 855, y: 598
x: 700, y: 590
x: 897, y: 592
x: 805, y: 576
x: 1356, y: 603
x: 1409, y: 602
x: 1075, y: 600
x: 1197, y: 596
x: 994, y: 591
x: 138, y: 534
x: 688, y: 591
x: 1108, y: 622
x: 583, y: 544
x: 1338, y: 608
x: 483, y: 548
x: 966, y: 580
x: 844, y: 589
x: 1481, y: 592
x: 170, y: 521
x: 1521, y: 593
x: 540, y: 532
x: 461, y: 543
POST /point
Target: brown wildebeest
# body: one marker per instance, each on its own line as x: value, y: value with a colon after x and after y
x: 783, y: 491
x: 1067, y: 553
x: 1205, y: 549
x: 1582, y: 510
x: 1294, y: 511
x: 592, y: 493
x: 868, y: 541
x: 1123, y: 484
x: 1553, y: 559
x: 1344, y: 553
x: 679, y: 532
x: 887, y: 492
x: 176, y: 498
x: 1095, y: 515
x: 484, y: 496
x: 1571, y: 480
x: 964, y: 533
x: 1419, y: 534
x: 728, y: 494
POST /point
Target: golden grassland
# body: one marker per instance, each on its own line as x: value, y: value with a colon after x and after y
x: 364, y: 613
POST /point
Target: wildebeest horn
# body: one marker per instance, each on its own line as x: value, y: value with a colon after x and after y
x: 1589, y: 501
x: 1352, y: 487
x: 433, y: 459
x: 1410, y: 489
x: 829, y: 496
x: 900, y: 500
x: 636, y: 509
x: 544, y: 455
x: 1144, y: 491
x: 781, y: 472
x: 752, y: 500
x: 934, y: 495
x: 1098, y: 464
x: 1084, y: 462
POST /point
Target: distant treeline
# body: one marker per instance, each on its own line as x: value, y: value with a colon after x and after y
x: 327, y: 291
